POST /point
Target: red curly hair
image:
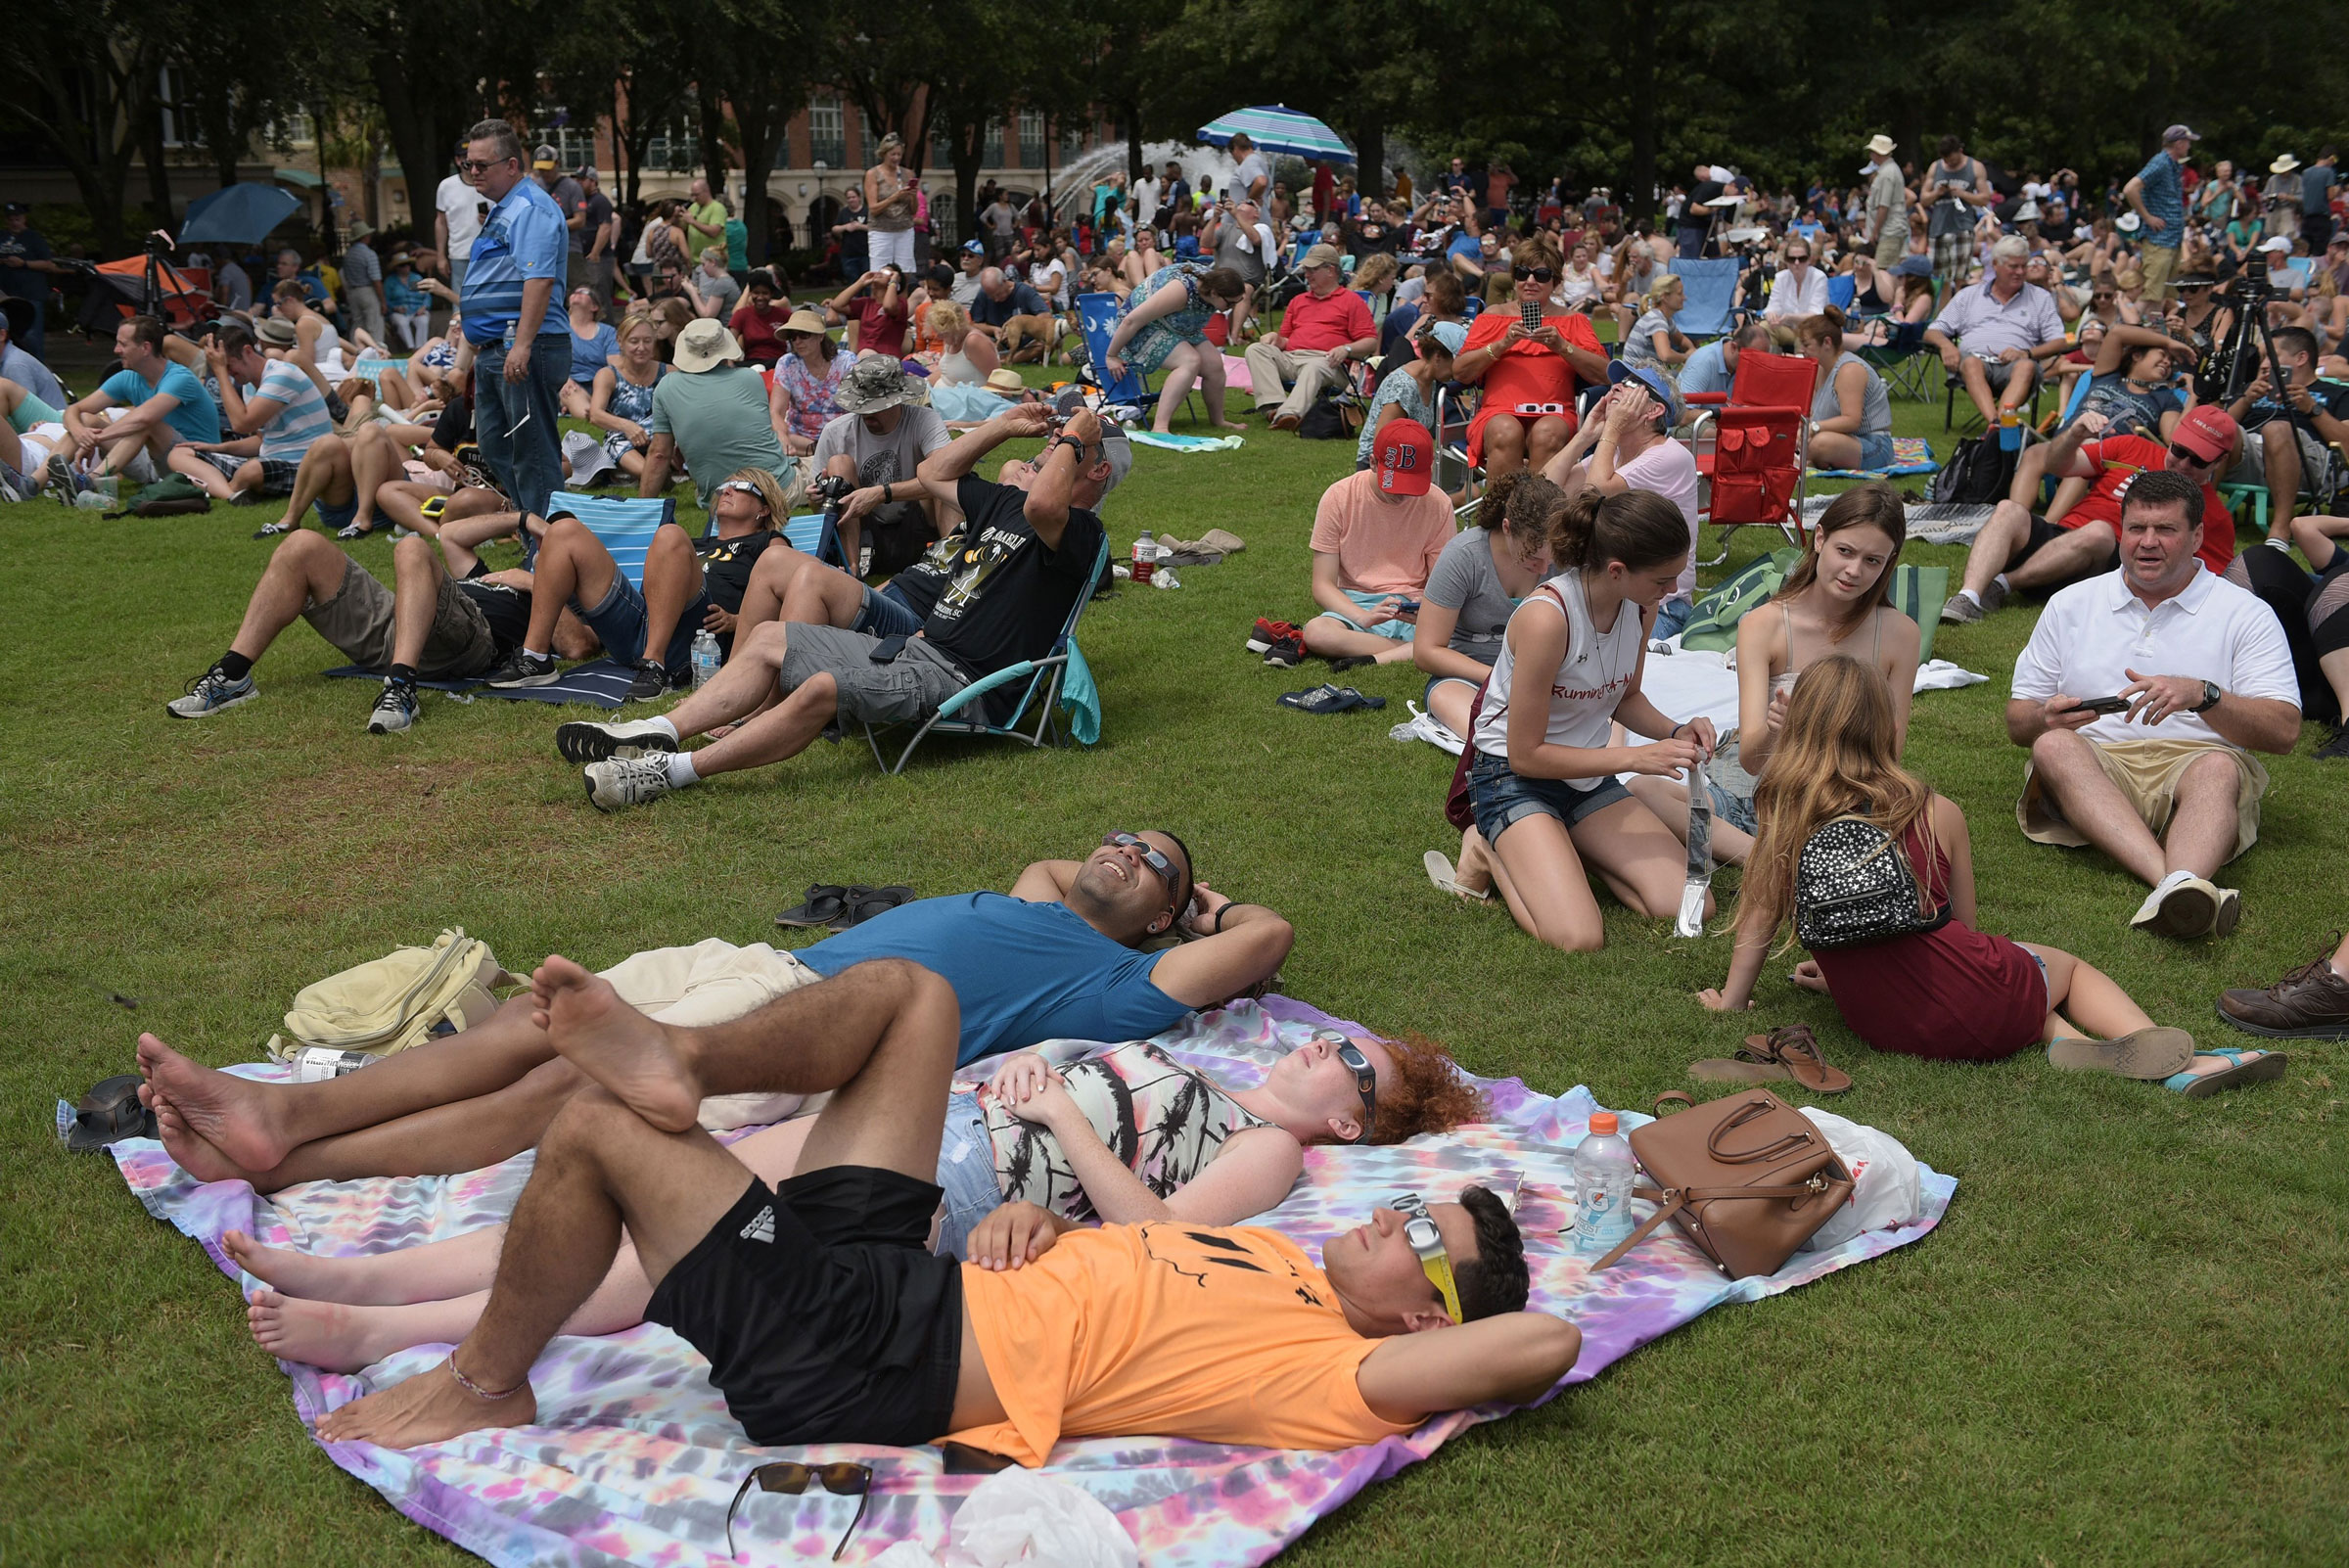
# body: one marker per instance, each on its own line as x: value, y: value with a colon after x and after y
x: 1425, y: 1092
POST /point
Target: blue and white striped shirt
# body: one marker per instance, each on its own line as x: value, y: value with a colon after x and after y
x: 301, y: 421
x: 524, y: 238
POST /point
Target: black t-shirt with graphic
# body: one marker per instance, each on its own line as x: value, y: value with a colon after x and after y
x: 1008, y: 596
x: 2331, y: 397
x: 727, y: 572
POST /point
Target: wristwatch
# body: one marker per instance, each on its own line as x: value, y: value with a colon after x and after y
x: 2210, y: 698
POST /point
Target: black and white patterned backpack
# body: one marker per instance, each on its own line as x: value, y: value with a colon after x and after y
x: 1852, y: 885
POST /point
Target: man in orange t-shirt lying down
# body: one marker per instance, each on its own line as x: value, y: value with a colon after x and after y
x: 825, y: 1317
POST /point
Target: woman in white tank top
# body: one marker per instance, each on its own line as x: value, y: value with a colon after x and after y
x: 1542, y: 787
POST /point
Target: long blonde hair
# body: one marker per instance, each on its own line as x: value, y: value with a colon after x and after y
x: 1837, y: 753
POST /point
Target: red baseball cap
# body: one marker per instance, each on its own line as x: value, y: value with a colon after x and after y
x: 2207, y: 430
x: 1403, y: 456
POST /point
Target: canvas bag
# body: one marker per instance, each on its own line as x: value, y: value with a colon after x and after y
x: 1746, y: 1178
x: 388, y: 1004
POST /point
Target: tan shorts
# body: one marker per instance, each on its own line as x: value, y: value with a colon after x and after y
x: 358, y: 620
x: 2147, y: 772
x: 2159, y: 265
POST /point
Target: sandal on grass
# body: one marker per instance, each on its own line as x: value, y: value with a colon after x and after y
x: 1440, y: 872
x: 2263, y: 1067
x: 865, y: 902
x: 1789, y: 1053
x: 1328, y: 699
x: 2145, y: 1053
x: 826, y: 903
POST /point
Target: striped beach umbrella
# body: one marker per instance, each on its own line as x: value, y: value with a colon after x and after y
x: 1277, y: 128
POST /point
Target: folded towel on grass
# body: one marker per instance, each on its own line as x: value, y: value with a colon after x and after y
x: 637, y: 1457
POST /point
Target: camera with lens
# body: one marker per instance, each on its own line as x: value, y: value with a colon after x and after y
x: 831, y: 489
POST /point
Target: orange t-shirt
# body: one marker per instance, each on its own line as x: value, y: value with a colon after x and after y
x: 1221, y: 1334
x: 1530, y: 373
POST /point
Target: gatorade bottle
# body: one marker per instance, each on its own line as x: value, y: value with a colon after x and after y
x: 1603, y: 1172
x: 2010, y: 429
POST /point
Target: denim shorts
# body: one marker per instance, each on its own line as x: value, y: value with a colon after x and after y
x: 619, y: 622
x: 1736, y: 811
x: 1875, y: 452
x: 1671, y: 615
x: 966, y: 1172
x: 1499, y: 795
x: 884, y: 614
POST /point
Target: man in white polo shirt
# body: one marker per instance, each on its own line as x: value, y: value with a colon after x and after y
x: 2202, y: 667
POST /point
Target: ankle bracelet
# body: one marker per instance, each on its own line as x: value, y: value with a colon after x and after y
x: 485, y: 1395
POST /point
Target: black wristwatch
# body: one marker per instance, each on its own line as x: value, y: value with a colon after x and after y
x: 2210, y: 698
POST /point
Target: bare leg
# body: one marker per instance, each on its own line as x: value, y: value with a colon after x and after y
x: 2069, y: 492
x: 1542, y: 881
x: 325, y: 470
x: 1545, y: 441
x: 1504, y: 445
x: 2203, y: 818
x: 1183, y: 368
x: 573, y: 564
x: 820, y: 595
x: 2281, y: 443
x: 2008, y: 527
x: 2068, y: 772
x: 1328, y: 638
x: 415, y: 598
x: 186, y: 462
x: 303, y: 568
x: 1211, y: 388
x: 2086, y: 550
x: 1641, y: 861
x: 1977, y: 388
x: 471, y: 522
x: 374, y: 461
x: 881, y: 1035
x: 1450, y: 702
x: 1669, y: 801
x: 672, y: 575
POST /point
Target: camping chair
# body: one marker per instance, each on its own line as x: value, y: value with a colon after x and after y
x: 1097, y: 319
x: 1902, y: 362
x: 1035, y: 720
x: 1455, y: 410
x: 1711, y: 290
x: 1953, y: 383
x: 624, y: 525
x: 1755, y: 468
x: 1842, y: 290
x: 815, y: 535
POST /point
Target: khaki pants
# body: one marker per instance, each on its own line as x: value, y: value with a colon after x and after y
x: 1269, y: 369
x: 2147, y: 772
x: 2159, y: 265
x: 1891, y: 246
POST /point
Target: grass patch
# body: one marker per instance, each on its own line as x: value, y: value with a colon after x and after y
x: 2125, y: 1344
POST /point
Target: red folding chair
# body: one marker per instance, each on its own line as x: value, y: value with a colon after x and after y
x: 1752, y: 450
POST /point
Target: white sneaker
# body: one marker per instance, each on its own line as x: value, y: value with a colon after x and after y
x: 394, y: 711
x: 210, y: 693
x: 582, y: 742
x: 626, y: 781
x: 2178, y: 906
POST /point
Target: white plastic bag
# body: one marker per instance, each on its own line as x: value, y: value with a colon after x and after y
x: 1886, y: 1190
x: 1020, y: 1517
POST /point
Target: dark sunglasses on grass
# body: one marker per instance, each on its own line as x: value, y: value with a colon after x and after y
x: 787, y: 1476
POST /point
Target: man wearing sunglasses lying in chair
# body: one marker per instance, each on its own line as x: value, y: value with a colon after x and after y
x: 1030, y: 546
x: 826, y: 1320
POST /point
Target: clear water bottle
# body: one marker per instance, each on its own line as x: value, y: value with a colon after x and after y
x: 705, y: 657
x: 1603, y: 1172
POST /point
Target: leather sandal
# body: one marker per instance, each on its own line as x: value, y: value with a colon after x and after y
x: 1790, y: 1053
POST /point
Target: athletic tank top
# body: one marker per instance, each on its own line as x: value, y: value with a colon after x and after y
x: 1163, y: 1121
x: 1948, y: 213
x: 1589, y: 682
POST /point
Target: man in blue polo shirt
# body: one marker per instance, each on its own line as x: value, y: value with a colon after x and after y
x: 522, y: 345
x: 167, y: 405
x: 2158, y: 194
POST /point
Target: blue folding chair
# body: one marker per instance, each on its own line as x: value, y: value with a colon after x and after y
x: 1035, y: 720
x: 1097, y: 318
x: 815, y: 535
x: 623, y: 524
x: 1842, y: 290
x: 1710, y: 289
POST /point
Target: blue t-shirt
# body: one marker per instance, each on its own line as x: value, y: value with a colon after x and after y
x: 197, y: 418
x: 302, y: 417
x: 1703, y: 371
x: 1024, y: 973
x: 523, y: 239
x: 587, y: 354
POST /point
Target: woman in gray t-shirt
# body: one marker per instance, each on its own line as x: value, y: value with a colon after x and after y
x: 1475, y: 585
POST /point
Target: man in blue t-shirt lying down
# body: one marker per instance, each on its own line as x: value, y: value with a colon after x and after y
x: 1061, y: 957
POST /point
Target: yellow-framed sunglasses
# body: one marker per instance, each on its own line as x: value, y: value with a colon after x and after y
x: 1419, y: 1230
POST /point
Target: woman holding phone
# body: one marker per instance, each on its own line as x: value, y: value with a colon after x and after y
x: 1530, y: 374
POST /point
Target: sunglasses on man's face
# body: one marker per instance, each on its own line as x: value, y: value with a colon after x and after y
x: 785, y: 1476
x: 477, y: 165
x: 2179, y: 454
x: 1156, y: 859
x: 1365, y: 1077
x: 1534, y: 275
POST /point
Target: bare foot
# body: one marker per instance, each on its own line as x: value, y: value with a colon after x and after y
x: 1230, y: 424
x: 235, y: 1116
x: 1475, y: 871
x: 193, y: 1154
x: 325, y: 1334
x: 428, y: 1407
x: 612, y: 1042
x: 299, y: 1273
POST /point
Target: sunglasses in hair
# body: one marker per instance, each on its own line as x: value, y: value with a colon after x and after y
x: 1365, y: 1077
x: 1535, y: 274
x: 786, y: 1476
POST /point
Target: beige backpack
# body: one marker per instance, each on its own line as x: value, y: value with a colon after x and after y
x: 402, y: 999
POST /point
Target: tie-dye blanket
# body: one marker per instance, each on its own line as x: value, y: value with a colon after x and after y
x: 636, y: 1457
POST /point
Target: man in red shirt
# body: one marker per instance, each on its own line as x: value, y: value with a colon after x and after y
x: 1322, y: 331
x: 2018, y: 549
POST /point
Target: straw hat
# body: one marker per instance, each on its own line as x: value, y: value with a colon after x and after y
x: 1880, y: 144
x: 2284, y: 165
x: 804, y: 320
x: 1005, y: 380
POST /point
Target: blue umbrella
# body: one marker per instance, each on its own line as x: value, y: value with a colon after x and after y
x: 1277, y: 128
x: 238, y: 214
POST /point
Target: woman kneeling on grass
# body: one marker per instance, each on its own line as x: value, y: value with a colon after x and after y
x: 1542, y: 787
x: 1944, y: 991
x: 1122, y: 1137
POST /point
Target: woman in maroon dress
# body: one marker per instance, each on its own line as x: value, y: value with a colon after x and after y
x: 1951, y: 992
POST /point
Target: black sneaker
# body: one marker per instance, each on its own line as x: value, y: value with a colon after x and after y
x: 524, y: 667
x: 1286, y: 653
x: 2335, y: 750
x: 652, y: 680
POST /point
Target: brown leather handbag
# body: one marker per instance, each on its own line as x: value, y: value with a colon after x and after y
x: 1748, y: 1179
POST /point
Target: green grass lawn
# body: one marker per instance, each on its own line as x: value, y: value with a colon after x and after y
x: 2125, y: 1344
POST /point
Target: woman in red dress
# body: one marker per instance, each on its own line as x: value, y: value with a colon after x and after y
x: 1530, y: 378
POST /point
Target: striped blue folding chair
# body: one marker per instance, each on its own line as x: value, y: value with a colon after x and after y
x: 1710, y: 290
x: 815, y: 535
x: 1034, y: 721
x: 1097, y: 318
x: 623, y: 524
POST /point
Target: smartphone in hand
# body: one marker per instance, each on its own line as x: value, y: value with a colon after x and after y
x: 2105, y: 705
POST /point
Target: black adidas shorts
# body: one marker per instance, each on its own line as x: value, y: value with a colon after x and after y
x: 823, y: 1314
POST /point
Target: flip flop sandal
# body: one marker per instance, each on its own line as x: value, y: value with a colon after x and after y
x: 2146, y: 1054
x: 1328, y: 699
x: 866, y: 902
x: 1724, y: 1070
x: 1796, y: 1049
x: 108, y: 1114
x: 2269, y: 1066
x: 1440, y: 872
x: 826, y: 903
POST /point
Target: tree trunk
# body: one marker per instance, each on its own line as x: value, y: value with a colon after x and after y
x: 1134, y: 166
x: 970, y: 147
x: 158, y: 171
x: 712, y: 122
x: 421, y: 146
x: 1369, y: 158
x: 761, y: 126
